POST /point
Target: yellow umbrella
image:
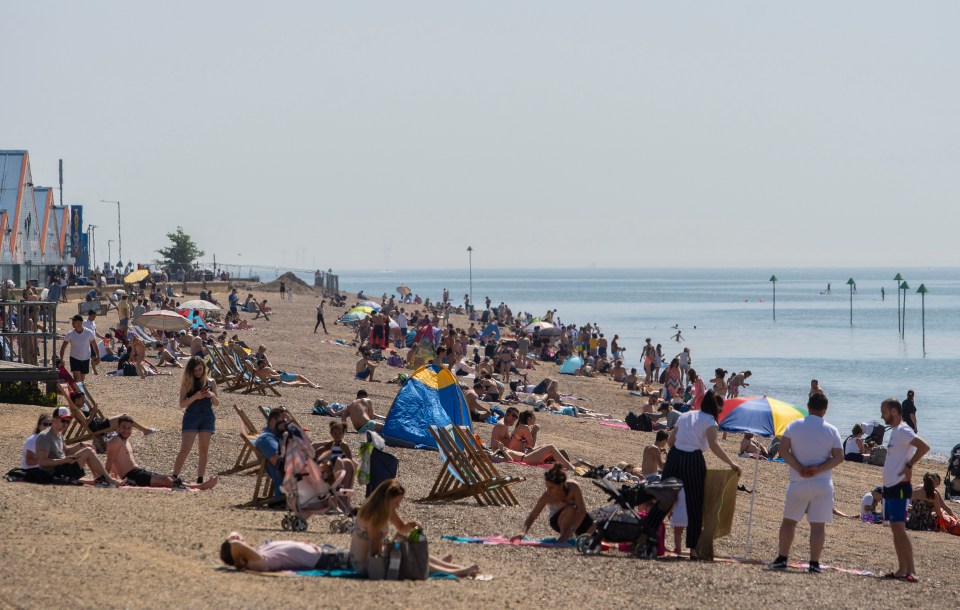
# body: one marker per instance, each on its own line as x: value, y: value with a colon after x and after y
x: 135, y: 276
x: 362, y: 309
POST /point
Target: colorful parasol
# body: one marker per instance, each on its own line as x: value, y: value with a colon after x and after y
x: 761, y: 415
x: 135, y: 276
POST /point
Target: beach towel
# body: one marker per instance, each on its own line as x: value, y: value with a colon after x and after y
x: 324, y: 573
x: 609, y: 425
x: 549, y: 543
x: 719, y: 504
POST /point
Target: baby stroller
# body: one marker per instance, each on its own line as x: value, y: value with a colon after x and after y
x: 951, y: 482
x: 308, y: 492
x: 873, y: 433
x: 623, y: 523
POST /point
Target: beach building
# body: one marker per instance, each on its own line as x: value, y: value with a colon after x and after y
x: 32, y: 240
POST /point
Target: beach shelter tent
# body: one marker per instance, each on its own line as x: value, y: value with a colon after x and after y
x: 571, y: 365
x: 491, y: 330
x: 430, y: 396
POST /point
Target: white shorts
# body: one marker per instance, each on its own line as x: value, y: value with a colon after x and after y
x: 679, y: 518
x: 813, y: 498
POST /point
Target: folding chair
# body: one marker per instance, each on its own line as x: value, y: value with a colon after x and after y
x: 467, y: 473
x: 263, y: 490
x: 247, y: 460
x: 78, y: 431
x: 255, y: 384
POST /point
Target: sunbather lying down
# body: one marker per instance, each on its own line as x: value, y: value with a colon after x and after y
x: 282, y: 555
x: 573, y: 410
x: 520, y: 446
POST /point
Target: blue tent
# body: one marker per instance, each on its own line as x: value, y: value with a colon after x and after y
x: 430, y: 396
x: 571, y: 365
x: 491, y: 330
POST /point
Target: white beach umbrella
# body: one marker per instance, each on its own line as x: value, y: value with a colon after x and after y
x: 162, y: 319
x: 200, y: 304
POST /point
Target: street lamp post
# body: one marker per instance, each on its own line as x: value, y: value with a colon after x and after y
x: 923, y: 314
x: 898, y: 278
x: 851, y: 283
x: 470, y: 255
x: 110, y: 249
x: 903, y: 316
x: 119, y: 232
x: 773, y: 279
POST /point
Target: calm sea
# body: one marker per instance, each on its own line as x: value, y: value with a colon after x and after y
x: 726, y: 318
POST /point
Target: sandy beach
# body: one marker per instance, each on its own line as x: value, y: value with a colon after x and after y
x: 87, y: 547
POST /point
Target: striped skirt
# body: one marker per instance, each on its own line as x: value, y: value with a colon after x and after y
x: 691, y: 469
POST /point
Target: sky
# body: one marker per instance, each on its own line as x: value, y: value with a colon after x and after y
x: 392, y: 135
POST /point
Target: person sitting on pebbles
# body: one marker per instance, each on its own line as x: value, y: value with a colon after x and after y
x: 568, y: 510
x: 121, y: 464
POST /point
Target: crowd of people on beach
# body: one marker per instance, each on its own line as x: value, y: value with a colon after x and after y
x: 493, y: 357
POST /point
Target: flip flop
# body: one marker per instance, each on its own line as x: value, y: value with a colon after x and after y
x: 910, y: 578
x: 893, y: 576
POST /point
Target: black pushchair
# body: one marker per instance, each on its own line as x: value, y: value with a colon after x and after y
x: 622, y: 522
x: 951, y: 483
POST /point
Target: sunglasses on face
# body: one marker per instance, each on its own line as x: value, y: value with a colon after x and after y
x: 46, y: 424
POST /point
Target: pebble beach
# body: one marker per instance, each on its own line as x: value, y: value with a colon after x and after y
x: 126, y: 548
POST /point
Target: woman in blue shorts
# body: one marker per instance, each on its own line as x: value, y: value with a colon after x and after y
x: 198, y: 396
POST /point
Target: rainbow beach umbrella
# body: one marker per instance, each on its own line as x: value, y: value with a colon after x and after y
x: 761, y: 415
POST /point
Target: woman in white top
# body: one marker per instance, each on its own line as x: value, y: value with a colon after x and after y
x: 695, y: 432
x: 853, y: 447
x: 29, y: 462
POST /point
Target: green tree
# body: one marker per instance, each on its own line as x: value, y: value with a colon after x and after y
x: 181, y: 253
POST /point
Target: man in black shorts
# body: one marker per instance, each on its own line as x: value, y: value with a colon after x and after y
x: 83, y: 348
x: 68, y: 463
x: 120, y: 462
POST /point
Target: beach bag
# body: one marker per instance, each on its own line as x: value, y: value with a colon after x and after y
x: 878, y: 456
x: 414, y: 561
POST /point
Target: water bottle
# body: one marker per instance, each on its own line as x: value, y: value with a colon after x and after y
x: 415, y: 534
x: 393, y: 571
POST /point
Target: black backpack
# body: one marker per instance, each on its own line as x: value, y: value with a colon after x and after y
x: 638, y: 422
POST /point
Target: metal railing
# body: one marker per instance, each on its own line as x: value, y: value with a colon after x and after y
x: 28, y: 333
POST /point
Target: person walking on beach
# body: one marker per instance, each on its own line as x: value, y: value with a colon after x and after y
x: 83, y: 348
x: 910, y: 411
x: 283, y: 290
x: 649, y: 355
x: 320, y: 321
x: 812, y: 449
x: 903, y: 452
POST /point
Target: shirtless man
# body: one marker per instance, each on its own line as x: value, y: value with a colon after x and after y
x: 121, y: 464
x: 360, y: 412
x: 478, y: 412
x: 196, y: 345
x: 653, y: 457
x: 632, y: 382
x: 619, y: 373
x: 749, y: 446
x: 500, y: 436
x: 366, y: 366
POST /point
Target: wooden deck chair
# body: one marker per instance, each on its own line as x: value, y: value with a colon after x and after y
x: 481, y: 461
x: 464, y: 474
x: 264, y: 488
x: 78, y: 431
x: 237, y: 378
x: 220, y: 369
x: 246, y: 460
x: 255, y: 384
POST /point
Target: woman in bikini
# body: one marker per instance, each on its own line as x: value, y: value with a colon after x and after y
x: 523, y: 445
x: 564, y: 500
x: 927, y: 508
x: 372, y: 526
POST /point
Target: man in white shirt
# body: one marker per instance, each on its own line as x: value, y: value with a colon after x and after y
x: 83, y: 348
x: 402, y: 323
x: 903, y: 452
x: 91, y: 322
x: 811, y: 448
